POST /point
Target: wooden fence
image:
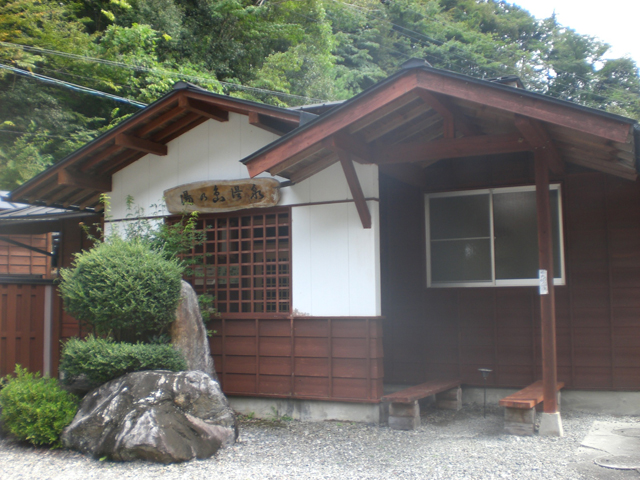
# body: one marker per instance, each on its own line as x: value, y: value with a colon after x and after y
x: 22, y: 320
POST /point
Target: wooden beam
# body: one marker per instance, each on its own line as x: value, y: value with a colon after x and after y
x: 331, y: 124
x: 90, y: 201
x: 515, y: 101
x: 451, y: 148
x: 175, y: 127
x: 96, y: 159
x: 97, y: 143
x: 291, y: 161
x: 233, y: 105
x: 547, y: 298
x: 270, y: 124
x: 141, y: 144
x: 83, y: 180
x: 312, y: 169
x: 447, y: 109
x: 346, y: 143
x: 536, y: 134
x: 203, y: 109
x: 356, y: 189
x: 160, y: 121
x: 408, y: 173
x: 42, y: 192
x: 448, y: 130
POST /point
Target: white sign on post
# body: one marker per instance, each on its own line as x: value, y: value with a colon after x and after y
x: 544, y: 283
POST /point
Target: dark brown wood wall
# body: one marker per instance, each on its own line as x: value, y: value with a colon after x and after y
x: 322, y: 358
x: 452, y: 332
x: 21, y: 327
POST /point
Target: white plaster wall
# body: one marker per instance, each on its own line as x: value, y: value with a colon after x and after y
x: 335, y: 261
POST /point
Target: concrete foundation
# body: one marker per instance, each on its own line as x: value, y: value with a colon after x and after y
x: 614, y: 403
x: 306, y: 410
x: 550, y: 425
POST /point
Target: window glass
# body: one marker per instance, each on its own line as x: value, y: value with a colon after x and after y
x: 461, y: 260
x: 460, y: 217
x: 489, y: 237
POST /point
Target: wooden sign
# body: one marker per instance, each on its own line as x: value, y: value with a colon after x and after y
x: 223, y: 195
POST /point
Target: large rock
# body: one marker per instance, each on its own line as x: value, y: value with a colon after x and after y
x: 154, y: 415
x: 189, y: 335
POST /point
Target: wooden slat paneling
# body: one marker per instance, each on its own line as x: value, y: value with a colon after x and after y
x: 300, y: 357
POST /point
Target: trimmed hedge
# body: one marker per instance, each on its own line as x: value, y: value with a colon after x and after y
x: 123, y: 288
x: 36, y: 409
x: 101, y: 360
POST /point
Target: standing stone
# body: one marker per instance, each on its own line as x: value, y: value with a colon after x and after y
x: 155, y: 415
x: 189, y: 335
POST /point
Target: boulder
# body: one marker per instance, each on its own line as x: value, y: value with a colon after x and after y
x: 189, y: 335
x: 155, y: 415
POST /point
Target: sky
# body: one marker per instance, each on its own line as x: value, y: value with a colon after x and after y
x: 613, y: 21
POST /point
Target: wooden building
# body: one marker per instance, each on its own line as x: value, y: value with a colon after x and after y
x: 414, y: 219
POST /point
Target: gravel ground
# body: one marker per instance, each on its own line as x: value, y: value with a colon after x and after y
x: 448, y: 445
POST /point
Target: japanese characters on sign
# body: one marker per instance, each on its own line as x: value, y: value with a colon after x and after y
x: 223, y: 195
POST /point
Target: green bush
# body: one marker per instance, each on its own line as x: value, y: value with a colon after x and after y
x: 124, y: 288
x: 101, y: 360
x: 36, y: 409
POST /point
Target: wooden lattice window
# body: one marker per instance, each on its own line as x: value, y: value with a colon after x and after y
x: 245, y: 261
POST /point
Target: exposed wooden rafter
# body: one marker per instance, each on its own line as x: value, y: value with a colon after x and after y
x: 308, y: 138
x: 160, y: 121
x: 141, y: 144
x: 203, y: 109
x: 355, y: 147
x: 83, y: 180
x: 232, y: 105
x: 270, y: 124
x: 530, y: 106
x: 451, y: 148
x: 536, y: 134
x: 313, y: 168
x: 103, y: 155
x: 453, y: 118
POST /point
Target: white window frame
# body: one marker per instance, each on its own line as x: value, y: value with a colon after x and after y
x: 523, y: 282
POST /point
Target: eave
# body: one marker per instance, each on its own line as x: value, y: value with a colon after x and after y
x: 78, y: 180
x: 422, y: 115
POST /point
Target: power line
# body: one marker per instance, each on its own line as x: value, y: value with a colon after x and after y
x: 141, y: 68
x: 71, y: 86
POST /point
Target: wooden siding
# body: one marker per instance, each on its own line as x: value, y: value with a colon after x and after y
x: 320, y: 358
x: 21, y: 327
x: 15, y: 260
x: 442, y: 332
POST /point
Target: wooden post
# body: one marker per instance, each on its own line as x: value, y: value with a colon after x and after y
x: 547, y: 300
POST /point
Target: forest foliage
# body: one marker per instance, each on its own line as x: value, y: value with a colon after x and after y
x: 283, y: 52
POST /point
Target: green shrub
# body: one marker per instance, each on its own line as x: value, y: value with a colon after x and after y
x: 124, y: 288
x: 101, y: 360
x: 36, y: 409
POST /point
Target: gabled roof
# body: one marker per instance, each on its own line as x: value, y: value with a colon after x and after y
x: 422, y: 114
x: 78, y: 180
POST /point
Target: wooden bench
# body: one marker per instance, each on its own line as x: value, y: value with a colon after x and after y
x: 404, y: 410
x: 520, y: 408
